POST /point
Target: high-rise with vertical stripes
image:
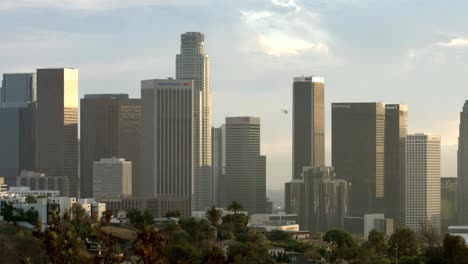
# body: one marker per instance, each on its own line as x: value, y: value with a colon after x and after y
x: 463, y: 166
x: 193, y: 64
x: 167, y: 144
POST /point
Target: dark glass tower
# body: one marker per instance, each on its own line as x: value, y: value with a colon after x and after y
x: 463, y: 167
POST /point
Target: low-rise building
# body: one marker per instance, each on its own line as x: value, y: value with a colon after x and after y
x: 26, y: 191
x: 40, y: 182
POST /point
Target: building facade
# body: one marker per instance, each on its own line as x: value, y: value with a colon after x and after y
x: 245, y: 167
x: 463, y: 166
x: 325, y: 200
x: 112, y: 178
x: 40, y: 182
x: 423, y: 181
x: 57, y: 124
x: 218, y: 150
x: 396, y: 130
x: 308, y: 124
x: 358, y: 131
x: 18, y: 90
x: 110, y: 127
x: 193, y: 64
x: 167, y: 143
x: 449, y: 200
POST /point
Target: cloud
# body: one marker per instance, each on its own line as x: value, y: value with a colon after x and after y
x: 284, y: 31
x: 456, y: 42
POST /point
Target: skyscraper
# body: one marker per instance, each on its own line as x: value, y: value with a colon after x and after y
x: 463, y: 166
x: 396, y: 130
x: 218, y: 148
x: 308, y: 124
x: 112, y: 178
x: 245, y: 167
x: 358, y: 131
x: 193, y: 64
x: 110, y: 127
x: 18, y: 89
x: 449, y: 202
x: 17, y: 125
x: 325, y: 202
x: 167, y: 143
x: 423, y: 181
x: 57, y: 124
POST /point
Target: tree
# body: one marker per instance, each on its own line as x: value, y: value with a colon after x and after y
x: 340, y: 237
x: 377, y: 241
x: 235, y: 207
x: 149, y: 245
x: 139, y: 219
x: 404, y: 240
x: 454, y: 249
x: 252, y: 247
x: 8, y: 212
x: 214, y: 215
x: 30, y: 199
x: 279, y: 235
x: 216, y: 255
x: 31, y: 216
x: 429, y: 235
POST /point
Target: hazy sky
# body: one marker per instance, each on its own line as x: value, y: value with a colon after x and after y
x: 413, y: 52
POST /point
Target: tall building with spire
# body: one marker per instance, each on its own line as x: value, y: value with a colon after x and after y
x: 463, y: 166
x: 193, y: 64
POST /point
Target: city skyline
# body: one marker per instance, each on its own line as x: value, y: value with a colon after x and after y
x: 419, y: 65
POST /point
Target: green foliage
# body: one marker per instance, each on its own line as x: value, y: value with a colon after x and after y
x: 8, y: 212
x: 454, y: 249
x: 252, y: 247
x: 30, y: 199
x: 406, y: 241
x: 79, y: 220
x: 280, y: 235
x: 139, y: 219
x: 233, y: 224
x: 340, y: 237
x: 213, y: 215
x: 197, y: 230
x: 235, y: 207
x: 149, y: 245
x: 377, y: 241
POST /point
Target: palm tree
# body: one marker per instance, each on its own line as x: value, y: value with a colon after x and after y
x: 213, y: 214
x: 235, y: 206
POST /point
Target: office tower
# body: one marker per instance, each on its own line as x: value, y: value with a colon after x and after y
x: 449, y: 199
x: 110, y: 127
x: 245, y: 167
x: 358, y: 131
x: 193, y: 64
x: 112, y: 178
x: 422, y: 181
x: 396, y: 130
x: 18, y: 89
x: 325, y: 201
x: 16, y: 142
x: 463, y: 166
x: 167, y: 143
x: 308, y: 124
x: 293, y: 195
x: 57, y: 124
x: 40, y: 182
x: 218, y: 148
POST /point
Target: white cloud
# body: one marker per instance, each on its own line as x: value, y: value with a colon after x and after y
x: 456, y: 42
x: 283, y: 32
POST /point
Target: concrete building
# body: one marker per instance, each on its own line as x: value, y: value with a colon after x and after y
x: 293, y: 195
x: 449, y: 199
x: 459, y: 231
x: 245, y: 167
x: 358, y: 131
x: 167, y: 143
x: 57, y: 124
x: 40, y: 182
x: 26, y: 191
x: 110, y: 127
x: 18, y: 90
x: 17, y: 141
x: 193, y: 64
x: 396, y: 130
x: 308, y: 124
x: 280, y: 219
x: 361, y: 226
x: 463, y: 166
x: 325, y: 200
x: 423, y: 181
x: 112, y: 178
x: 218, y: 147
x: 3, y: 185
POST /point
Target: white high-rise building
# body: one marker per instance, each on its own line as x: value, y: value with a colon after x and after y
x: 112, y: 178
x: 423, y: 181
x: 167, y: 144
x: 193, y: 64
